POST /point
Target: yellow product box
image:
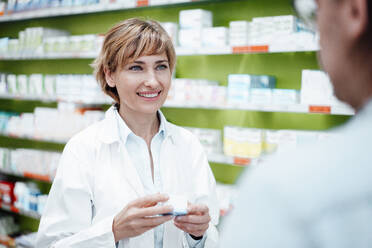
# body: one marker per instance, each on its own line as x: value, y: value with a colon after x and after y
x: 229, y: 141
x: 250, y: 143
x: 271, y: 141
x: 242, y: 142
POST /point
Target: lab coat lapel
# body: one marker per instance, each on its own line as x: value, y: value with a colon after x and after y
x: 109, y: 134
x: 130, y: 171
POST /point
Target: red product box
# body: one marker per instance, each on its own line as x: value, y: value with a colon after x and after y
x: 7, y: 193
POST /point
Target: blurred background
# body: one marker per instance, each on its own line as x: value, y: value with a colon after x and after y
x: 247, y: 83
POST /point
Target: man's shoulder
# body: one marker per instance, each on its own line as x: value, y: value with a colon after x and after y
x: 333, y: 170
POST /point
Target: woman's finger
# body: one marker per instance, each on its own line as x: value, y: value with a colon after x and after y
x: 149, y: 200
x: 152, y: 222
x: 196, y: 219
x: 197, y: 209
x: 153, y: 211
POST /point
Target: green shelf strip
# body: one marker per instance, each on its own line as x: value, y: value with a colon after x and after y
x: 217, y: 119
x: 100, y: 22
x: 78, y: 10
x: 21, y: 106
x: 12, y: 142
x: 225, y: 173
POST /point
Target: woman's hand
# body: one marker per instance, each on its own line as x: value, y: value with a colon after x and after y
x: 139, y: 216
x: 196, y: 222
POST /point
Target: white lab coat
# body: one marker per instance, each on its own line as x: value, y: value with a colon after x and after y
x: 96, y: 179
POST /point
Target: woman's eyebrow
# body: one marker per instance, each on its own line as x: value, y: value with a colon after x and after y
x: 156, y: 62
x: 138, y: 62
x: 161, y: 61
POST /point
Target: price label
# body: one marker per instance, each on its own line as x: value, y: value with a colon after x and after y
x: 142, y: 3
x: 37, y: 176
x: 251, y: 49
x: 320, y: 109
x: 242, y: 161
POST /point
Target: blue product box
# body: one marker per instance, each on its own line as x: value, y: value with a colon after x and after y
x: 263, y: 81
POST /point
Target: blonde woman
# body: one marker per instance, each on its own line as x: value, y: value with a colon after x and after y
x: 115, y: 177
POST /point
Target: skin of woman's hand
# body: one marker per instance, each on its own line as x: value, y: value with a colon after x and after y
x: 196, y: 222
x: 139, y: 216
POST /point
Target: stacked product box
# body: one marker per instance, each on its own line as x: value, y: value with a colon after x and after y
x: 211, y: 139
x: 215, y: 37
x: 242, y: 142
x: 28, y: 161
x: 199, y: 92
x: 245, y: 88
x: 30, y: 41
x: 239, y: 33
x: 191, y: 23
x: 39, y: 41
x: 172, y: 29
x: 69, y: 87
x: 50, y: 124
x: 76, y: 44
x: 280, y: 33
x: 28, y: 197
x: 252, y: 143
x: 29, y: 5
x: 317, y: 89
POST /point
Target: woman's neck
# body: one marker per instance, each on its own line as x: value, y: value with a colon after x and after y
x: 141, y: 124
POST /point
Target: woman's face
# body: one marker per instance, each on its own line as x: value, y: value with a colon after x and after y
x: 143, y: 84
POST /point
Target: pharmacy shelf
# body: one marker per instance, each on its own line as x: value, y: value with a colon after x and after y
x: 33, y: 102
x: 93, y: 8
x: 28, y: 104
x: 30, y: 175
x: 16, y: 142
x: 31, y: 214
x: 180, y: 51
x: 14, y: 104
x: 28, y: 98
x: 81, y: 55
x: 228, y: 50
x: 294, y: 108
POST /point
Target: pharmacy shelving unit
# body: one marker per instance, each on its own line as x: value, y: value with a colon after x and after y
x: 180, y: 51
x: 208, y: 64
x: 31, y: 214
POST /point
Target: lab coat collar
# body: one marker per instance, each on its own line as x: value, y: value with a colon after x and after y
x: 168, y: 128
x: 109, y: 131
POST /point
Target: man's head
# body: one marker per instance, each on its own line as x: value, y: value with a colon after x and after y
x: 345, y: 29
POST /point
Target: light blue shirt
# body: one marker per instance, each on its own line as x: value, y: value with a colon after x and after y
x: 140, y: 157
x: 319, y: 195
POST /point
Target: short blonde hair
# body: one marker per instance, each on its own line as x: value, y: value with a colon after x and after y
x: 127, y: 41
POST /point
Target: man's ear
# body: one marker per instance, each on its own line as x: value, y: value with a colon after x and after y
x: 109, y: 76
x: 356, y: 22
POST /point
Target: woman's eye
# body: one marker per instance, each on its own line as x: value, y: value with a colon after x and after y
x: 161, y: 67
x: 135, y: 68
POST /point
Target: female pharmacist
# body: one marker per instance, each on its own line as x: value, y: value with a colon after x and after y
x: 105, y: 193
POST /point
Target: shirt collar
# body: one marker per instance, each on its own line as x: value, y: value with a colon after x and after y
x: 124, y: 131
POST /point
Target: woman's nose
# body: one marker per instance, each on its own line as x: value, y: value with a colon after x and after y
x: 151, y: 80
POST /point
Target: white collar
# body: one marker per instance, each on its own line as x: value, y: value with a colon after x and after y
x: 109, y: 131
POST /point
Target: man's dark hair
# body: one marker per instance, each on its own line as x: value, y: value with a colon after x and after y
x: 369, y: 5
x: 366, y: 40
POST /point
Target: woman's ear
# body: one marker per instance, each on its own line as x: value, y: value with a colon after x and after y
x: 109, y: 76
x: 357, y: 17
